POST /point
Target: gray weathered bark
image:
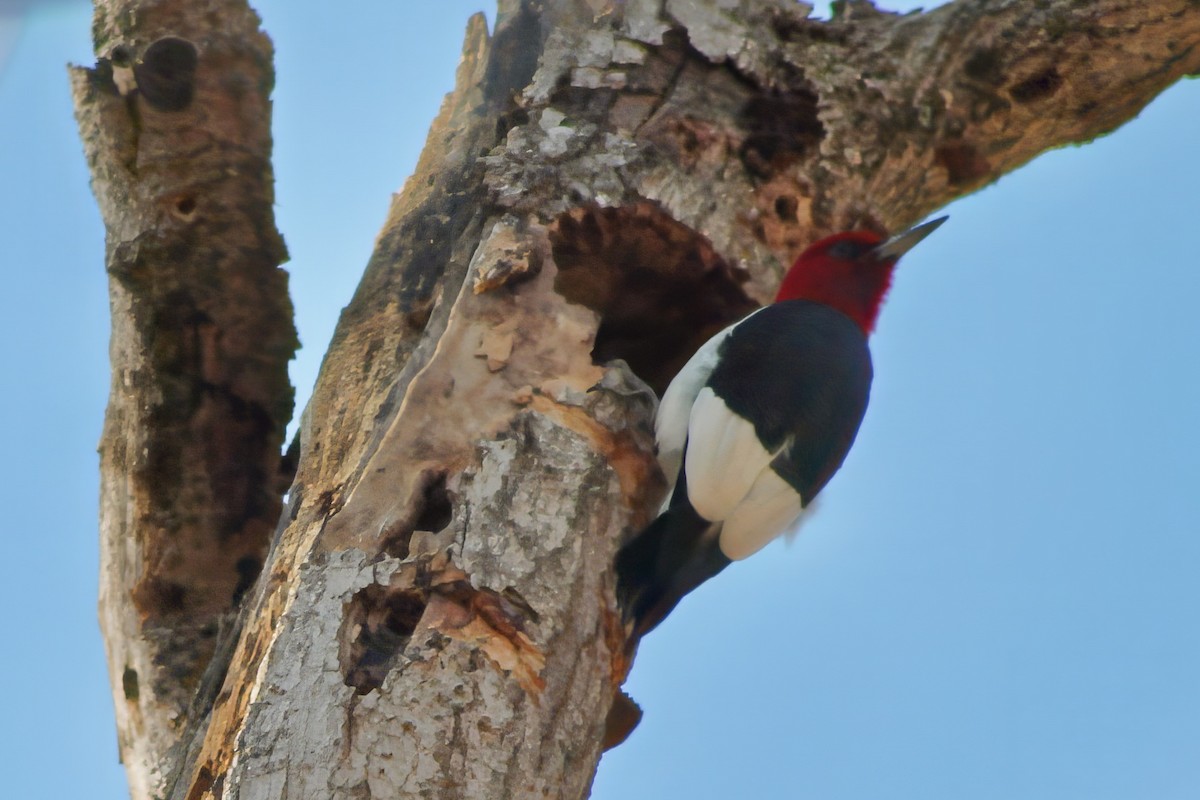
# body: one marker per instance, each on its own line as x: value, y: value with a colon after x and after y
x: 608, y: 180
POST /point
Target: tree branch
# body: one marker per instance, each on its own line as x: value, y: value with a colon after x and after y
x: 877, y: 119
x: 175, y: 120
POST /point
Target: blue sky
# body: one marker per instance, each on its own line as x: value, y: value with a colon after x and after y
x: 997, y: 598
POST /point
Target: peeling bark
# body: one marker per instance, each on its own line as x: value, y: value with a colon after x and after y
x: 608, y: 184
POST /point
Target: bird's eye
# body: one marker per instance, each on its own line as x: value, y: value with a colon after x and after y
x: 846, y: 250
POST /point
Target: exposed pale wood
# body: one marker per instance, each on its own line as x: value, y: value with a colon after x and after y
x: 608, y: 180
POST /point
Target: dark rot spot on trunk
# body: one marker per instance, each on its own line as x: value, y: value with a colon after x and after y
x: 963, y: 162
x: 983, y: 65
x: 247, y: 568
x: 1037, y: 87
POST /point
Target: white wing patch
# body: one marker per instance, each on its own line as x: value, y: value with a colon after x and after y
x: 724, y: 457
x: 675, y: 408
x: 672, y: 420
x: 769, y: 509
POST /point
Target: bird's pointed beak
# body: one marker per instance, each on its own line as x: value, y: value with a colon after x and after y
x: 901, y: 243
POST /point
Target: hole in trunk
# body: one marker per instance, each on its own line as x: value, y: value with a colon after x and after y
x: 376, y: 627
x: 432, y: 510
x: 437, y: 511
x: 660, y: 287
x: 129, y: 684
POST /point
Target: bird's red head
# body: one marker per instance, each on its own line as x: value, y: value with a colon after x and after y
x: 850, y: 271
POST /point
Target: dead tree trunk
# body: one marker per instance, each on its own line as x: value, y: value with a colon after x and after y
x: 609, y: 183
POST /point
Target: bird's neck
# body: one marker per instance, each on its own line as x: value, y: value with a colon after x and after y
x: 858, y: 295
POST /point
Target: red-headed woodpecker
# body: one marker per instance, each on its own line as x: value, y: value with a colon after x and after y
x: 759, y: 420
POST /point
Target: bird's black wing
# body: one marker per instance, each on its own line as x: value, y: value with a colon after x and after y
x: 801, y: 371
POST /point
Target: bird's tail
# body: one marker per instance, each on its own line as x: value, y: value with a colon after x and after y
x: 673, y: 555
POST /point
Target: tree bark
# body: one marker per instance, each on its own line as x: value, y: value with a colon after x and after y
x: 608, y: 184
x: 202, y: 333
